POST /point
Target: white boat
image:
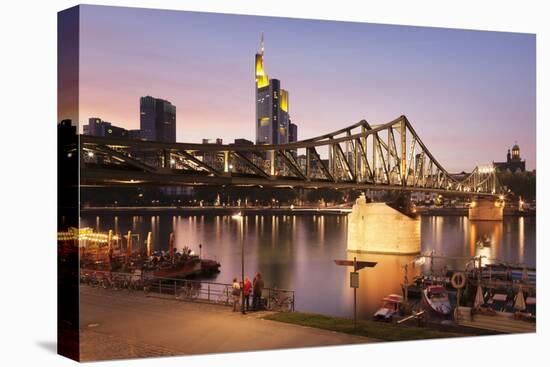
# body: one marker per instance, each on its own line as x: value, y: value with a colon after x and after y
x: 391, y: 307
x: 437, y: 299
x: 484, y: 241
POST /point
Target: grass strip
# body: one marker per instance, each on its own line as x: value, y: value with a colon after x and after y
x: 366, y: 328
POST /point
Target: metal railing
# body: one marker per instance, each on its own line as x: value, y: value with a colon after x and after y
x: 273, y: 299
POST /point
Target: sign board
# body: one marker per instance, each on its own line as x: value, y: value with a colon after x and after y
x: 360, y: 264
x: 354, y: 279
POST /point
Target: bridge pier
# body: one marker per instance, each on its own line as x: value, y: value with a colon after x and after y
x: 379, y: 228
x: 486, y: 209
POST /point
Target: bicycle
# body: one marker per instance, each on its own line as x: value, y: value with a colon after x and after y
x: 188, y: 292
x: 280, y: 301
x: 224, y: 295
x: 94, y: 281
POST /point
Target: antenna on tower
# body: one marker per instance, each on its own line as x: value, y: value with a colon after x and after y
x: 262, y: 43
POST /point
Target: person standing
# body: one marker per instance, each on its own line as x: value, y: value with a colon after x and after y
x: 254, y: 300
x: 236, y: 293
x: 257, y: 288
x: 247, y: 288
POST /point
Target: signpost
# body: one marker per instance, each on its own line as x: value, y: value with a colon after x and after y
x: 354, y: 279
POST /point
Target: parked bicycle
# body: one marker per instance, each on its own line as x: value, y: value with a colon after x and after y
x: 280, y: 300
x: 190, y: 291
x: 181, y: 289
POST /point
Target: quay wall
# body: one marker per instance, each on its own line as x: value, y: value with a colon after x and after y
x: 193, y: 210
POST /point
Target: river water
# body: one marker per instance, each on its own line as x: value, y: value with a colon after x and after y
x: 298, y: 252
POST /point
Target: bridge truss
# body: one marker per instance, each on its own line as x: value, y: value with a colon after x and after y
x: 387, y: 156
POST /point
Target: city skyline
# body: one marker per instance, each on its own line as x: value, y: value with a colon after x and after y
x: 462, y: 79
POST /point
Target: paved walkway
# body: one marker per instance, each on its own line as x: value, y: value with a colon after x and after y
x: 120, y: 324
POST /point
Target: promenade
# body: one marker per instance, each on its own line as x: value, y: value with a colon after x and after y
x: 120, y: 324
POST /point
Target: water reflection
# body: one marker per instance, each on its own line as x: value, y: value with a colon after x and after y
x: 375, y: 283
x: 521, y: 238
x: 298, y: 252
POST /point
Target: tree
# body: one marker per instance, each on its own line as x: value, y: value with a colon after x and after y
x: 522, y: 184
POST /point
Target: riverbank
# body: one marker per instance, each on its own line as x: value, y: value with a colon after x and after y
x: 216, y: 210
x: 460, y: 212
x: 230, y: 210
x: 119, y: 324
x: 366, y: 328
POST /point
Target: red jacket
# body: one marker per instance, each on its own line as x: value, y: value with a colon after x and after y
x: 247, y: 287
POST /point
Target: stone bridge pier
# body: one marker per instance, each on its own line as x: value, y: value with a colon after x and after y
x: 379, y: 228
x: 486, y: 209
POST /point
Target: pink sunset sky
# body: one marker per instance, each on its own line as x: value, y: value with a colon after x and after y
x: 469, y: 94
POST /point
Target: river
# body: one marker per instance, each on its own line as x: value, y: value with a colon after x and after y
x: 298, y: 252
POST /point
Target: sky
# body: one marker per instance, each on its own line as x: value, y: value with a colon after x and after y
x: 470, y: 95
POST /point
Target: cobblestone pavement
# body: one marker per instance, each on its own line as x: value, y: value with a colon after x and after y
x: 95, y: 345
x: 120, y: 324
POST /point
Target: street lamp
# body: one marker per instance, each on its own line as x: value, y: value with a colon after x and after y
x: 239, y: 217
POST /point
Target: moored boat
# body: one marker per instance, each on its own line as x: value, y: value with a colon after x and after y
x: 178, y: 270
x: 391, y: 308
x: 484, y: 241
x: 437, y: 299
x: 209, y: 267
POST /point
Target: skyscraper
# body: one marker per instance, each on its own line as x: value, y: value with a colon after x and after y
x: 272, y: 120
x: 293, y: 136
x: 292, y: 132
x: 157, y: 119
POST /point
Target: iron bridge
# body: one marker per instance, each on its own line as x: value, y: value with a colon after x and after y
x: 388, y: 156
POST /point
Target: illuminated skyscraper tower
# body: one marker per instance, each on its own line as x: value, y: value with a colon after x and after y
x: 272, y: 120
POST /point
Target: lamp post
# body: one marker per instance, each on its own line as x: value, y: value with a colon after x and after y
x: 240, y: 219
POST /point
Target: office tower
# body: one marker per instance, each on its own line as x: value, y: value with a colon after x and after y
x: 157, y: 119
x: 272, y: 121
x: 92, y: 126
x: 292, y: 133
x: 98, y: 127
